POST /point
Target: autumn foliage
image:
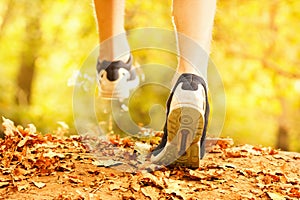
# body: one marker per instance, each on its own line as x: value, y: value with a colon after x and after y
x: 36, y: 166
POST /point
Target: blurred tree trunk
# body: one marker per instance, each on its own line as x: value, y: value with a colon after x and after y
x: 282, y: 138
x: 29, y: 54
x: 282, y: 131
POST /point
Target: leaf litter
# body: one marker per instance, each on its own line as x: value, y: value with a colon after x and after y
x: 52, y: 166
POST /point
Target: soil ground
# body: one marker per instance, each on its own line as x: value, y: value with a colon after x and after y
x: 36, y: 166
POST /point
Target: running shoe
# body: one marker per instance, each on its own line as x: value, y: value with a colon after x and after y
x: 183, y: 141
x: 116, y: 79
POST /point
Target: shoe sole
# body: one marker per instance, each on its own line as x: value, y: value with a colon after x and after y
x: 185, y: 127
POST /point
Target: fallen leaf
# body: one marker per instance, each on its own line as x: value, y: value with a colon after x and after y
x: 39, y: 184
x: 134, y: 184
x: 234, y: 154
x: 106, y: 163
x: 198, y: 174
x: 283, y: 157
x: 19, y: 172
x: 24, y: 186
x: 275, y: 196
x: 255, y: 191
x: 296, y: 157
x: 248, y: 196
x: 177, y: 187
x: 223, y: 143
x: 6, y: 171
x: 149, y: 191
x: 153, y: 180
x: 74, y: 180
x: 63, y: 168
x: 9, y: 127
x: 127, y: 142
x: 23, y: 141
x: 114, y: 187
x: 52, y: 154
x: 4, y: 184
x: 294, y: 192
x: 31, y: 130
x: 229, y: 165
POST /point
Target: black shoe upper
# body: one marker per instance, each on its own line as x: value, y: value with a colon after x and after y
x: 190, y: 82
x: 112, y: 68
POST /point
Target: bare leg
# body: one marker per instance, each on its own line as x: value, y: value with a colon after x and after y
x: 185, y: 129
x: 112, y: 37
x: 193, y: 19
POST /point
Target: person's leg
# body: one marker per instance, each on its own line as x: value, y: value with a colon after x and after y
x: 114, y: 65
x: 193, y: 19
x: 183, y: 141
x: 112, y: 37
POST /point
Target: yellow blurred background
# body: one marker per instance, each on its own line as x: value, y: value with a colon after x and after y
x: 255, y: 48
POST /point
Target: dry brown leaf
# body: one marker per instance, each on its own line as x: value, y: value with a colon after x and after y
x: 275, y: 196
x: 39, y: 184
x: 23, y: 141
x: 134, y: 184
x: 198, y: 174
x: 283, y: 157
x: 31, y: 130
x: 9, y: 127
x: 106, y: 163
x: 229, y: 165
x: 296, y: 157
x: 177, y: 187
x: 81, y: 195
x: 153, y: 180
x: 52, y: 154
x: 4, y: 184
x: 234, y: 154
x: 255, y: 191
x: 65, y: 167
x: 127, y: 142
x: 30, y: 153
x: 248, y: 196
x: 23, y: 186
x: 19, y: 171
x: 294, y: 192
x: 74, y: 179
x: 222, y: 143
x: 114, y: 187
x: 151, y: 192
x: 243, y: 151
x: 6, y: 171
x: 117, y: 185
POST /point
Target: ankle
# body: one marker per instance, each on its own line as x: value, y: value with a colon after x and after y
x: 115, y: 49
x: 186, y: 67
x: 112, y: 58
x: 190, y: 71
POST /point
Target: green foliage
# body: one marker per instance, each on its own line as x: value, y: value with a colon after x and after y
x: 255, y: 47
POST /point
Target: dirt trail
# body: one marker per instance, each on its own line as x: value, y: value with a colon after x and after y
x: 36, y: 166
